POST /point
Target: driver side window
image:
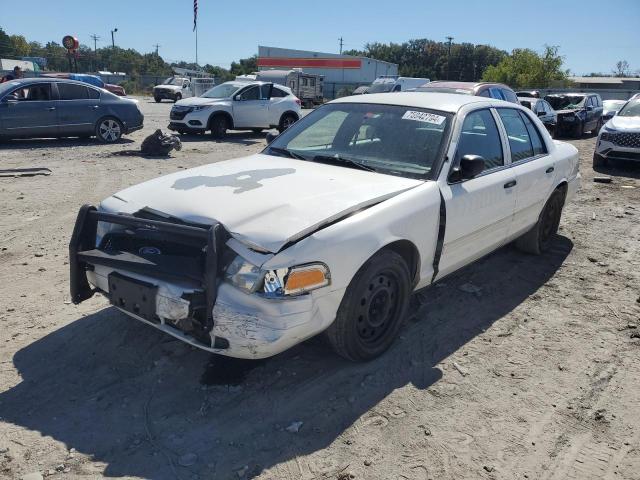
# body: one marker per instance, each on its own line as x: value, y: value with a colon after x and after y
x: 479, y: 136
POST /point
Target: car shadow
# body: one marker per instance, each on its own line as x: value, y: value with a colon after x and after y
x: 620, y: 168
x: 236, y: 137
x: 33, y: 143
x: 131, y: 397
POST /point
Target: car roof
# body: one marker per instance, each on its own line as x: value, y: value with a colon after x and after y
x: 570, y: 94
x: 237, y: 83
x: 530, y: 99
x: 446, y: 102
x: 27, y: 81
x: 460, y: 85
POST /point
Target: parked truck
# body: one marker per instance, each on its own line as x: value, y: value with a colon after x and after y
x: 308, y: 87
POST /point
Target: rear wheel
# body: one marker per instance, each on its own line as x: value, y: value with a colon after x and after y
x: 373, y: 308
x: 539, y: 238
x: 218, y: 126
x: 286, y: 121
x: 109, y: 130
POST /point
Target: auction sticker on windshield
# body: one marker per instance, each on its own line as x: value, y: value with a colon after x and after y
x: 423, y: 117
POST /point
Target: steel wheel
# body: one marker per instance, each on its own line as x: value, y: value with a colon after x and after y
x: 378, y: 308
x: 109, y: 130
x: 372, y: 310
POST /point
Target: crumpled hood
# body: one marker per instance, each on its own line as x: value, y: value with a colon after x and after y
x: 193, y: 101
x: 262, y: 200
x: 624, y: 124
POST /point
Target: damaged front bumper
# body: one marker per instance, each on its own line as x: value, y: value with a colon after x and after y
x: 185, y: 296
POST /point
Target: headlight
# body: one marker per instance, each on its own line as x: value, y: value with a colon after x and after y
x: 201, y: 107
x: 277, y: 283
x: 609, y: 129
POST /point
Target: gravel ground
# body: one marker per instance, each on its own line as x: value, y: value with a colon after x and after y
x: 535, y: 376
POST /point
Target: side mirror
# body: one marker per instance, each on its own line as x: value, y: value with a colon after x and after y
x: 470, y: 166
x: 238, y: 98
x: 271, y: 137
x: 589, y: 108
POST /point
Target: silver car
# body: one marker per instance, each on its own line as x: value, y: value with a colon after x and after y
x: 619, y: 138
x: 50, y: 107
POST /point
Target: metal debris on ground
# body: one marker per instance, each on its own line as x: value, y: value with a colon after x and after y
x: 602, y: 179
x: 25, y: 172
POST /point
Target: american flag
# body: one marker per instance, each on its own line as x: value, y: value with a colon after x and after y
x: 195, y: 14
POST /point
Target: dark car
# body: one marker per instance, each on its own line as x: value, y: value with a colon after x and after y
x: 51, y: 107
x: 543, y: 110
x: 482, y: 89
x: 577, y: 113
x: 528, y: 93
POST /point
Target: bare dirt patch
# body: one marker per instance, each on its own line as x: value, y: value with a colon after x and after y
x: 533, y: 374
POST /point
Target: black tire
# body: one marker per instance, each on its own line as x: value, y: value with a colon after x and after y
x: 578, y: 130
x: 256, y: 130
x: 218, y: 126
x: 539, y: 238
x: 599, y: 161
x: 597, y: 128
x: 373, y: 308
x: 109, y: 130
x: 157, y: 99
x: 286, y: 121
x: 177, y: 97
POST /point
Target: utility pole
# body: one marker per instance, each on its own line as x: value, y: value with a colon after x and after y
x: 157, y: 47
x: 113, y: 42
x: 449, y: 58
x: 341, y: 43
x: 95, y: 51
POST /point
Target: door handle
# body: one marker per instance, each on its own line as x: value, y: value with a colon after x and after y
x: 95, y: 107
x: 549, y: 170
x: 51, y: 109
x: 510, y: 184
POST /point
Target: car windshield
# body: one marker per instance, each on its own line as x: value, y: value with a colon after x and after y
x: 173, y: 81
x: 631, y: 109
x: 381, y: 87
x: 614, y: 105
x: 224, y: 90
x: 397, y: 140
x: 566, y: 102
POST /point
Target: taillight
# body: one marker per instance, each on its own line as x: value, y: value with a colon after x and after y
x: 298, y: 102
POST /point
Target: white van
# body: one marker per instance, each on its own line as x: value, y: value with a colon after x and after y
x: 391, y: 83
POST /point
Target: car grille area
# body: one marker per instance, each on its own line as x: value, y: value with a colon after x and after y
x: 178, y: 112
x: 622, y: 139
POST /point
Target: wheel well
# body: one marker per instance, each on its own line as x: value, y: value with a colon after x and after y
x: 563, y: 187
x: 288, y: 112
x: 221, y: 114
x: 409, y: 252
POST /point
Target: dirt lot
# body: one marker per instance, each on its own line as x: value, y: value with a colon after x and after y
x: 535, y: 376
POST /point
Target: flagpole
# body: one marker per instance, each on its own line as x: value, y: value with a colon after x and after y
x: 196, y: 44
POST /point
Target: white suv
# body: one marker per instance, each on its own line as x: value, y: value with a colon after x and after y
x: 237, y: 106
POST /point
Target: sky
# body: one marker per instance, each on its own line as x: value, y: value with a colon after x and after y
x: 592, y: 34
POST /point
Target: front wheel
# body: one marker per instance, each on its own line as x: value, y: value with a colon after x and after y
x: 218, y: 127
x: 578, y: 130
x: 177, y: 98
x: 373, y: 308
x: 109, y: 130
x: 286, y: 121
x: 157, y: 99
x: 539, y: 238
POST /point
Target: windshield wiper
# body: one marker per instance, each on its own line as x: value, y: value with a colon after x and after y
x: 337, y: 159
x: 287, y: 153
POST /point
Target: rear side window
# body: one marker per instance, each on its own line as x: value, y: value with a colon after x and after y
x: 517, y: 133
x: 509, y: 96
x: 496, y: 93
x: 71, y: 91
x: 277, y: 93
x: 93, y: 93
x: 539, y: 148
x: 479, y: 136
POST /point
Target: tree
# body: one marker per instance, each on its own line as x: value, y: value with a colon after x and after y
x: 429, y: 59
x: 21, y: 47
x: 6, y: 48
x: 622, y: 69
x: 244, y: 66
x: 527, y: 68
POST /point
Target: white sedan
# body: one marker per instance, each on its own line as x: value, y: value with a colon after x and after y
x: 329, y: 229
x: 236, y: 106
